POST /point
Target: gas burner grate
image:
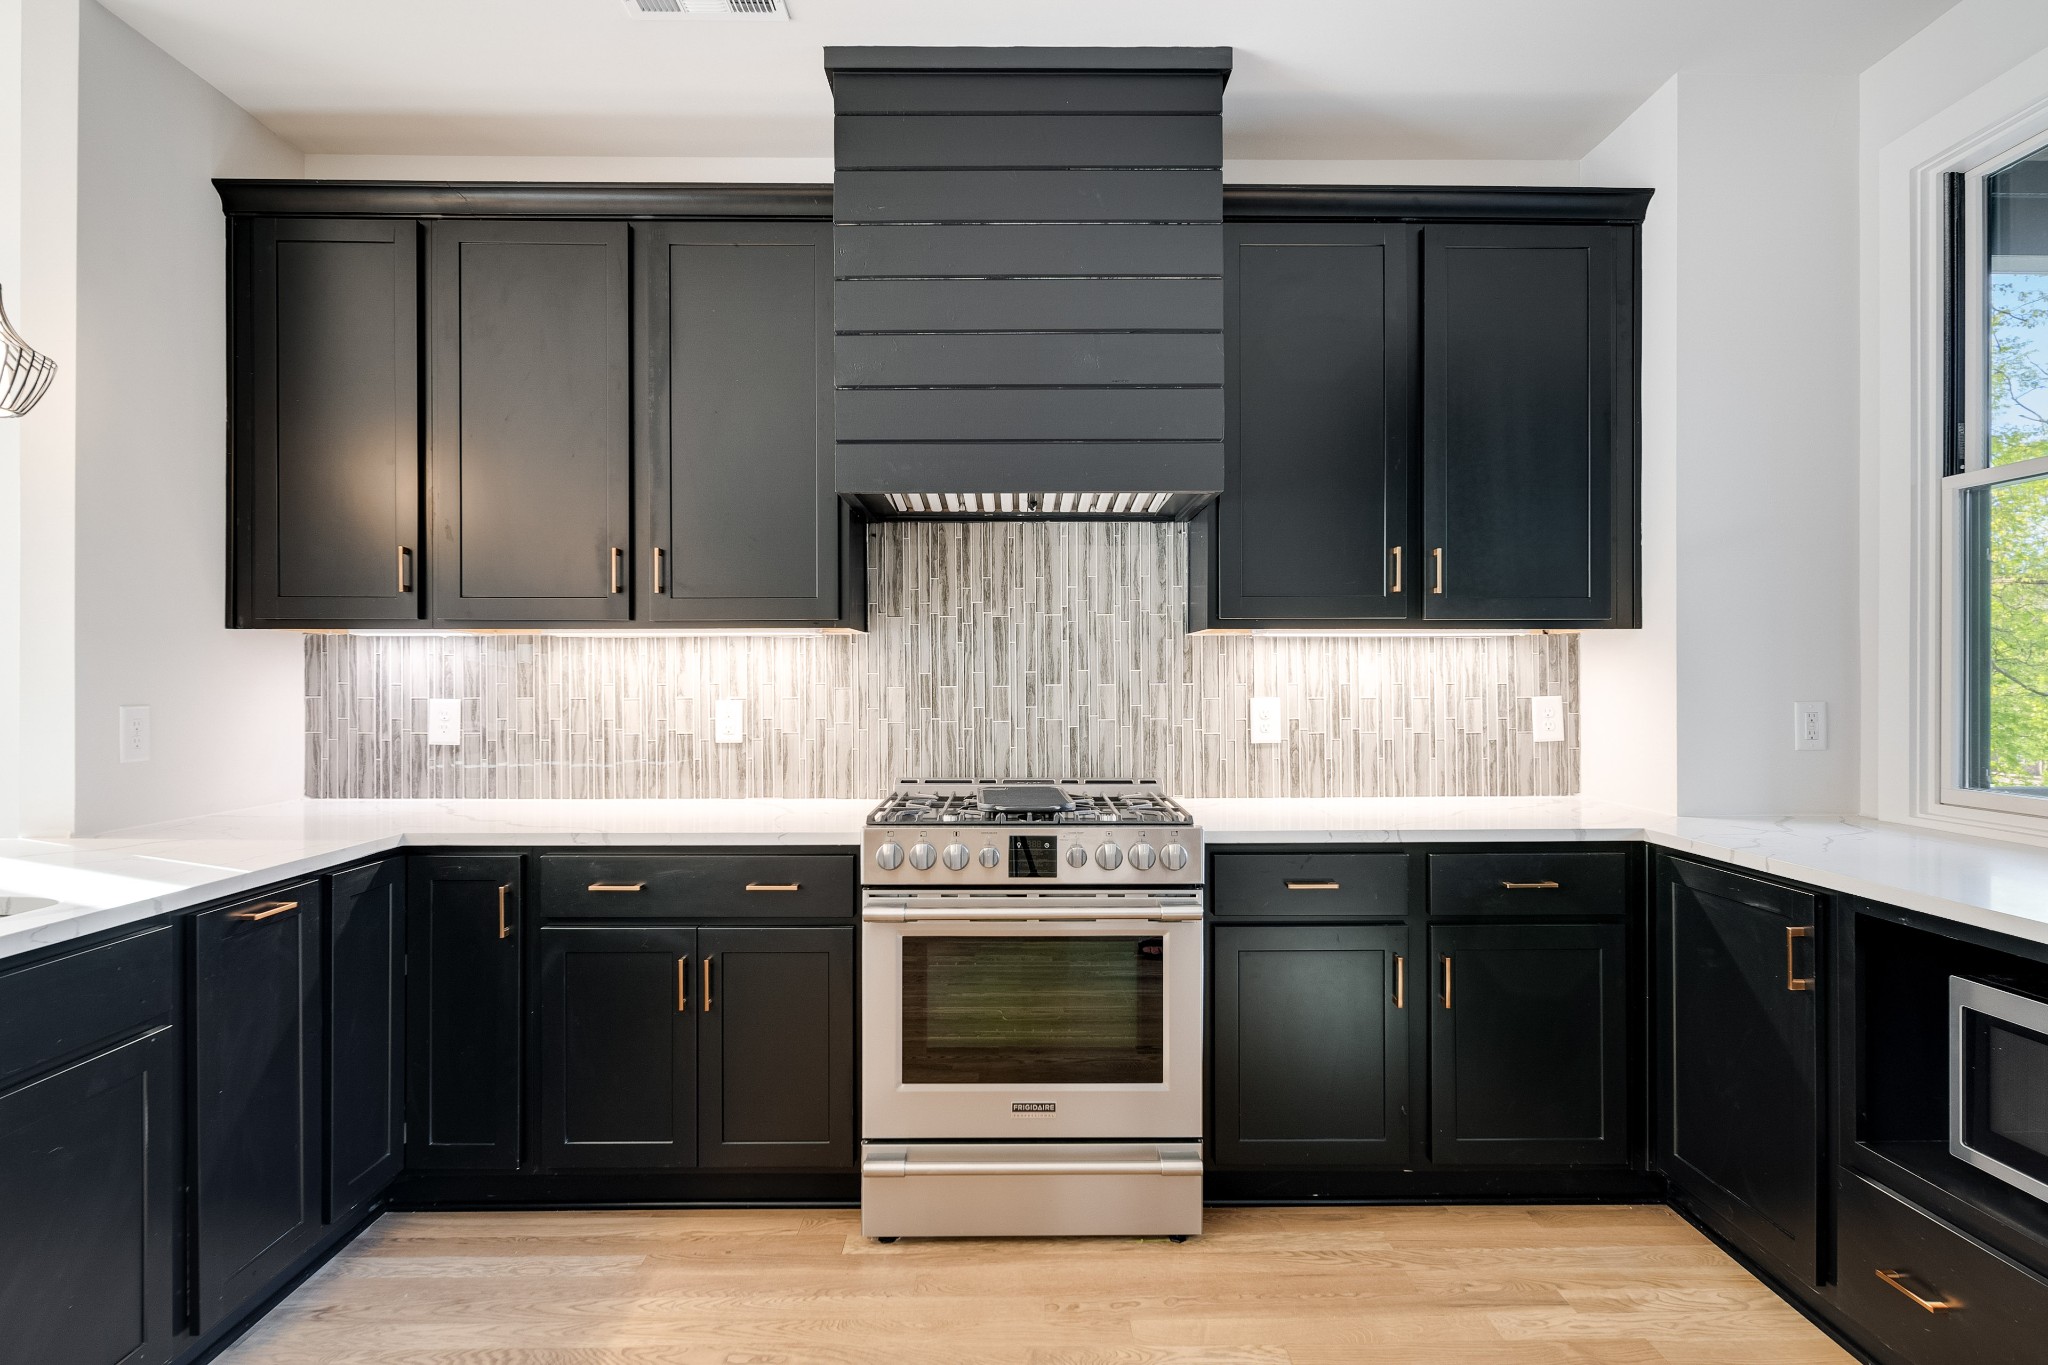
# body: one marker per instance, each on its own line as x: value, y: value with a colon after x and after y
x: 1091, y: 804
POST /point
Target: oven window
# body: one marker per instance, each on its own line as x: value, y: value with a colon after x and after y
x: 1032, y: 1011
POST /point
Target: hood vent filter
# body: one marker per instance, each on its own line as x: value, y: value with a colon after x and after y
x: 706, y: 9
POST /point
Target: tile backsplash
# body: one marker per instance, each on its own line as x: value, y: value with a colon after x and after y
x: 999, y: 649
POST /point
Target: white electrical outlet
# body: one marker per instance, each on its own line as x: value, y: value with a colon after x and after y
x: 1266, y: 723
x: 135, y: 734
x: 1809, y: 725
x: 444, y: 720
x: 1546, y: 719
x: 732, y: 721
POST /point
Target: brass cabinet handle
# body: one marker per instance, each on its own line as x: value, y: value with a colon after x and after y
x: 775, y: 886
x: 1794, y: 981
x: 616, y: 886
x: 1314, y: 886
x: 1528, y: 886
x: 683, y: 984
x: 1395, y: 589
x: 504, y: 925
x: 405, y: 568
x: 617, y: 555
x: 1438, y: 555
x: 1897, y: 1280
x: 267, y: 910
x: 657, y: 571
x: 707, y: 983
x: 1447, y: 980
x: 1400, y: 982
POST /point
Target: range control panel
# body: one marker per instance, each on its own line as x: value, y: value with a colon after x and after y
x: 1096, y: 855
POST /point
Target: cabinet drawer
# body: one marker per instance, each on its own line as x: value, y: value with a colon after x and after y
x: 1998, y: 1312
x: 698, y: 886
x: 1520, y: 885
x: 1313, y: 886
x: 62, y: 1006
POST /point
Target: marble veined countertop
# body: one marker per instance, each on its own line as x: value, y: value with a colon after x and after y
x: 122, y: 878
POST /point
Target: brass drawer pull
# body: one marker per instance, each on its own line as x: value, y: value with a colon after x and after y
x: 707, y: 983
x: 1394, y: 589
x: 405, y: 568
x: 1897, y: 1280
x: 683, y: 984
x: 1438, y: 555
x: 1400, y: 982
x: 1794, y: 981
x: 267, y: 910
x: 1528, y: 886
x: 617, y: 555
x: 657, y: 571
x: 1314, y: 886
x: 1447, y: 980
x: 504, y: 925
x: 775, y: 886
x: 616, y: 886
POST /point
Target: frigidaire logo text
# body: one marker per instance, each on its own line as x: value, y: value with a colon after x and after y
x: 1034, y: 1107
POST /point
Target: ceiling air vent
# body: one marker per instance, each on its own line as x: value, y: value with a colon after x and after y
x: 707, y: 9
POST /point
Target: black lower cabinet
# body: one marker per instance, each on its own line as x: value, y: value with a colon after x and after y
x: 88, y: 1204
x: 619, y: 1012
x: 365, y: 1034
x: 1737, y: 1123
x: 1529, y: 1045
x: 775, y: 1048
x: 258, y: 1108
x: 463, y: 1012
x: 1310, y: 1046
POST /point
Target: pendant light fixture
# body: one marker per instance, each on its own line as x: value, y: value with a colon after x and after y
x: 24, y: 371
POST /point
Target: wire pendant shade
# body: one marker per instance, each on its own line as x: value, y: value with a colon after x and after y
x: 25, y: 372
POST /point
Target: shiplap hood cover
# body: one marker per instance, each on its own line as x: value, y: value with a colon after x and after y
x: 1028, y: 250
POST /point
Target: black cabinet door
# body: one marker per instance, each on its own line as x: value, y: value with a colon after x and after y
x: 618, y: 1047
x: 1528, y: 1045
x: 258, y: 1111
x: 775, y: 1048
x: 529, y: 455
x: 1313, y: 523
x: 326, y: 431
x: 1737, y: 1046
x: 462, y: 1013
x: 735, y: 406
x: 1528, y: 425
x: 88, y: 1197
x: 365, y: 1034
x: 1310, y: 1045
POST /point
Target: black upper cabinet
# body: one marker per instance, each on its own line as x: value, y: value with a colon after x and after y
x: 1528, y: 424
x: 741, y: 520
x: 1320, y: 325
x: 326, y: 421
x: 529, y: 453
x: 365, y: 1034
x: 463, y: 919
x: 258, y: 1108
x: 1737, y: 1037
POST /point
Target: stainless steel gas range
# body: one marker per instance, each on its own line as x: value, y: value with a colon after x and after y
x: 1031, y: 1011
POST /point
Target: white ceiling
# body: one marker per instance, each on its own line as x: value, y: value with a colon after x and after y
x: 1315, y: 79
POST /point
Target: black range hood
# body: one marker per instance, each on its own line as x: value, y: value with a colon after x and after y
x: 1028, y: 296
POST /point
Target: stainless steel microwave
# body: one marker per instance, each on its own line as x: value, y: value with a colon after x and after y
x: 1998, y: 1083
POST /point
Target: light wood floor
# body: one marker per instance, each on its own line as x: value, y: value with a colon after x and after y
x: 1379, y: 1286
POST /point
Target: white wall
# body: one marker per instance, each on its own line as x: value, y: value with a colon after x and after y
x: 10, y: 431
x: 125, y: 510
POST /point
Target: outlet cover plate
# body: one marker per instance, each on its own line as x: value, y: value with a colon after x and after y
x: 135, y: 734
x: 444, y: 720
x: 1546, y: 719
x: 1266, y: 724
x: 1809, y: 725
x: 732, y: 721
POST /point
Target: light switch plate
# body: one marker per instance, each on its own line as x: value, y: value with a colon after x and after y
x: 732, y: 721
x: 135, y: 734
x: 1809, y: 725
x: 1266, y: 722
x: 1546, y: 719
x: 444, y: 720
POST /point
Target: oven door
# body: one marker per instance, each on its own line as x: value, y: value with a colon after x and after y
x: 1998, y: 1083
x: 1026, y: 1016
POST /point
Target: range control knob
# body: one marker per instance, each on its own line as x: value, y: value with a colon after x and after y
x: 889, y: 856
x: 1174, y: 856
x: 1110, y: 856
x: 1143, y: 856
x: 956, y: 856
x: 1077, y: 856
x: 991, y: 856
x: 922, y: 855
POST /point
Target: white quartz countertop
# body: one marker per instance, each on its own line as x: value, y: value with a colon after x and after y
x: 102, y: 883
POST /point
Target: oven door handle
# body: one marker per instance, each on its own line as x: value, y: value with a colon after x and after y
x: 1002, y: 914
x: 1163, y: 1164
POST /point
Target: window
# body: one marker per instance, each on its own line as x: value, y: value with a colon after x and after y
x: 1997, y: 487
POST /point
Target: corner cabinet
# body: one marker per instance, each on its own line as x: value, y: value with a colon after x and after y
x: 1432, y: 412
x: 534, y: 406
